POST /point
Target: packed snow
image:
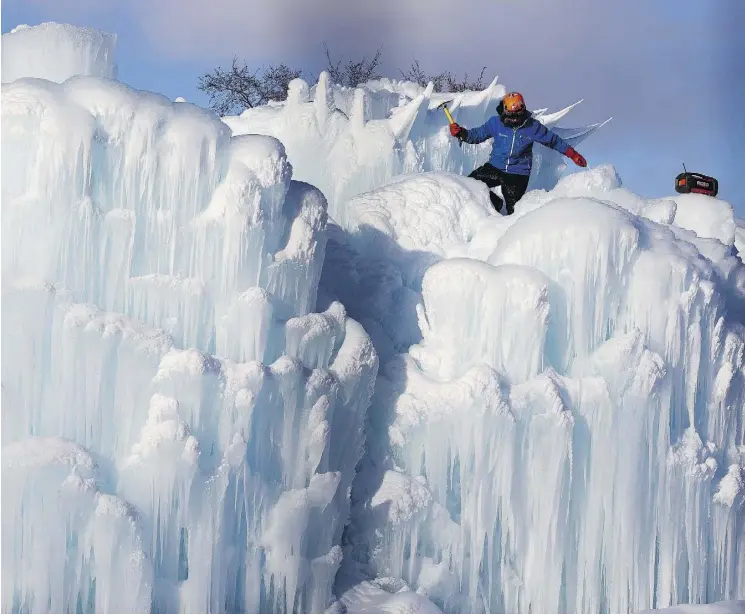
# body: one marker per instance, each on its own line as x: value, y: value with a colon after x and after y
x: 294, y: 361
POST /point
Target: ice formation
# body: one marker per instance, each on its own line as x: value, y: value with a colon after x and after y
x: 722, y: 606
x: 169, y: 387
x: 567, y: 434
x: 56, y: 52
x: 294, y: 361
x: 740, y: 237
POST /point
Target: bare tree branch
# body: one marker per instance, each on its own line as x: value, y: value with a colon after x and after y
x: 443, y: 82
x: 354, y: 73
x: 333, y: 70
x: 233, y: 90
x: 238, y: 89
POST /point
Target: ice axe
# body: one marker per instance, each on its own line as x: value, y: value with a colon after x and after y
x: 444, y: 106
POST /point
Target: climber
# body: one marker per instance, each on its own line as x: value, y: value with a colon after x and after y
x: 514, y: 131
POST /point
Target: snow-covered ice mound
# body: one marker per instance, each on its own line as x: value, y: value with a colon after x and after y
x: 572, y: 418
x: 56, y: 52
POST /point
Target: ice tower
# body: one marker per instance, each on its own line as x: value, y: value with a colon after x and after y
x: 181, y: 421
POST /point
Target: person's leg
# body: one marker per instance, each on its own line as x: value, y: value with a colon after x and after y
x: 496, y: 202
x: 491, y: 177
x: 513, y: 188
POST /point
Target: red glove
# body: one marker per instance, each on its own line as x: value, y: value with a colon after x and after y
x: 576, y: 157
x: 457, y: 131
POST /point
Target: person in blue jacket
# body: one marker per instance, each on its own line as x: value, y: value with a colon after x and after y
x: 514, y: 131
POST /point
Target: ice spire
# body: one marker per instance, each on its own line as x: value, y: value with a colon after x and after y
x: 324, y: 101
x: 488, y: 94
x: 357, y: 116
x: 552, y: 118
x: 401, y: 123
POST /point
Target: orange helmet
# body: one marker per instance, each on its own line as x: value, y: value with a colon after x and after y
x: 514, y: 102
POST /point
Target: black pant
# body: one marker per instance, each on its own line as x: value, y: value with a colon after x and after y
x: 513, y: 185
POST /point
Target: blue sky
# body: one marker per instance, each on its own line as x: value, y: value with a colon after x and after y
x: 671, y: 73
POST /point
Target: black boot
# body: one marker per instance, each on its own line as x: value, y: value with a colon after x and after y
x: 496, y: 201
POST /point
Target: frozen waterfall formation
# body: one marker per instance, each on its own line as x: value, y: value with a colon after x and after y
x: 180, y: 424
x: 248, y: 363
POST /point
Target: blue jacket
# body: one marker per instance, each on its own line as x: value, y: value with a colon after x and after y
x: 512, y: 149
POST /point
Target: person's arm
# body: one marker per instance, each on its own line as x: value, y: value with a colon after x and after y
x: 547, y: 137
x: 472, y: 135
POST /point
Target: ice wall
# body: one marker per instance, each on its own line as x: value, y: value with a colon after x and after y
x: 180, y: 424
x: 568, y: 434
x: 56, y: 52
x: 348, y: 142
